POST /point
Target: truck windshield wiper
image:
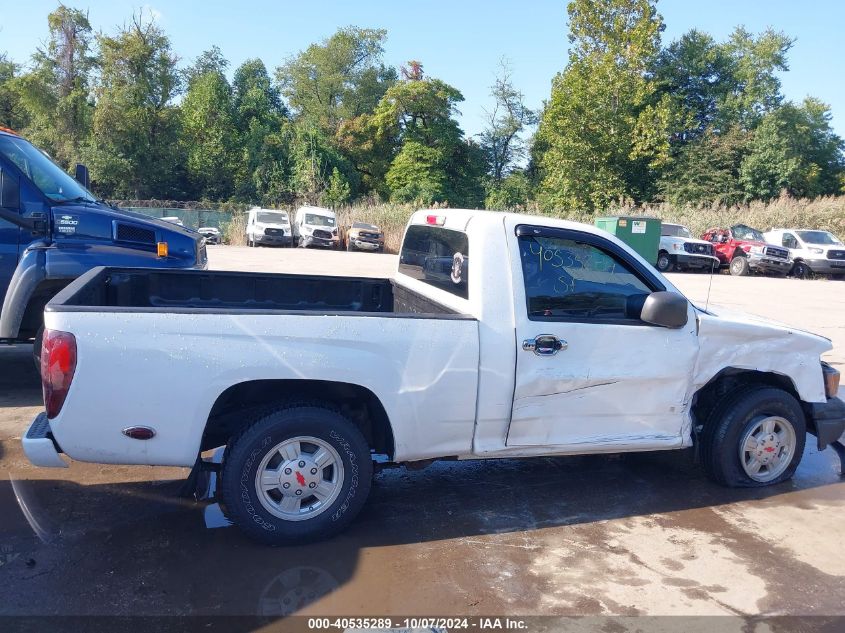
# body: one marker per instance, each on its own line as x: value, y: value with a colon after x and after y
x: 76, y: 199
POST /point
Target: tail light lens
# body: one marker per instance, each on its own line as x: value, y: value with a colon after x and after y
x: 58, y: 364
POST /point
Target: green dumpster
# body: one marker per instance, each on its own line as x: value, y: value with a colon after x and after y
x: 641, y: 234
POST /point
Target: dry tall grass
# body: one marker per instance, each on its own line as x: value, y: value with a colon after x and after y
x: 826, y: 213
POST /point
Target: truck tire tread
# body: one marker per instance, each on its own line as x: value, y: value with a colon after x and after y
x: 277, y: 531
x: 719, y: 453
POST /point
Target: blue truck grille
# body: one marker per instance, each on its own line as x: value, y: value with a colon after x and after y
x: 836, y: 254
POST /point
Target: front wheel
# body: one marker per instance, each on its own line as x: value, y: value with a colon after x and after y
x: 801, y: 271
x: 740, y: 267
x: 754, y: 437
x: 664, y: 261
x: 298, y: 474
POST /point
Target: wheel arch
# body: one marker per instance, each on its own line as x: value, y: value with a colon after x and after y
x: 731, y: 379
x: 358, y: 403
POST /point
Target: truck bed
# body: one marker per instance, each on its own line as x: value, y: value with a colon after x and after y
x: 191, y: 291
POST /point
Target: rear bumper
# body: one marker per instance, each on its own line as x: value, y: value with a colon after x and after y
x: 39, y: 446
x: 827, y: 420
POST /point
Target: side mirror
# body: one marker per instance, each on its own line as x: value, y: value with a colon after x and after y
x: 665, y: 309
x: 10, y: 192
x: 82, y: 176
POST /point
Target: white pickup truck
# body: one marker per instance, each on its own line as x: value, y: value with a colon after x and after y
x: 500, y: 335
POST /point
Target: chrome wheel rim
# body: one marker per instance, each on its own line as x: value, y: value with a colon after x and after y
x: 663, y: 262
x: 299, y: 478
x: 767, y: 448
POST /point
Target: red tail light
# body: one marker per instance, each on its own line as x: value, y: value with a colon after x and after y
x: 58, y: 363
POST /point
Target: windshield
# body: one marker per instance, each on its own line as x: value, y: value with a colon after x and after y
x: 270, y: 217
x: 43, y: 172
x: 818, y: 237
x: 318, y: 220
x: 742, y: 232
x: 674, y: 230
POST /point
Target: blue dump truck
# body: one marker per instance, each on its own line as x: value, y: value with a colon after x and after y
x: 52, y: 230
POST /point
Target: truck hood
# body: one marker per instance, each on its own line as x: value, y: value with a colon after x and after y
x: 99, y: 210
x: 745, y: 341
x: 673, y: 239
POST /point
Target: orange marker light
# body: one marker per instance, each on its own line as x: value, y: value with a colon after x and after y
x: 162, y: 249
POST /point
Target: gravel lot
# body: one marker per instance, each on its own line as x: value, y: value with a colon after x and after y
x: 638, y: 534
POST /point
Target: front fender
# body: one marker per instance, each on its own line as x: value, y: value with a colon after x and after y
x: 30, y: 272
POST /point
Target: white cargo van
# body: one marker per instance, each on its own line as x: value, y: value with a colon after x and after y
x: 268, y: 226
x: 315, y: 226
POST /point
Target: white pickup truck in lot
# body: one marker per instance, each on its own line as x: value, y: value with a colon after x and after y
x: 500, y: 335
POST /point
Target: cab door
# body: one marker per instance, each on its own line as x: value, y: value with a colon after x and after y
x: 590, y: 375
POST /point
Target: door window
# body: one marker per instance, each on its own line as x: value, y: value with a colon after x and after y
x: 789, y: 241
x: 568, y: 279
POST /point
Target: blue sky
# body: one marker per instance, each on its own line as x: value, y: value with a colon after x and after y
x: 457, y: 41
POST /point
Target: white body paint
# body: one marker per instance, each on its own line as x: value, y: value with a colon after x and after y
x: 450, y: 387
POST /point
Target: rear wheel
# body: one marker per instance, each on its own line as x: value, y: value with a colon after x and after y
x: 754, y: 437
x: 298, y: 474
x: 664, y: 261
x: 740, y: 267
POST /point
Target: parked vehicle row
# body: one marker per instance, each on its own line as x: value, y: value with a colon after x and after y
x: 311, y: 227
x: 560, y: 339
x: 743, y: 250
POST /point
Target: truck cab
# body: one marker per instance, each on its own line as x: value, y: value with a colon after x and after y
x: 53, y: 229
x: 744, y: 250
x: 813, y: 252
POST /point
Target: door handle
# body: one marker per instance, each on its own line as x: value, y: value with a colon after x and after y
x: 544, y: 345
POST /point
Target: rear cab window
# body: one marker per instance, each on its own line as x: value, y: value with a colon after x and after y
x: 438, y: 257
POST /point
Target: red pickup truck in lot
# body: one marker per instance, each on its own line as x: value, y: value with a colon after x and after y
x: 744, y: 250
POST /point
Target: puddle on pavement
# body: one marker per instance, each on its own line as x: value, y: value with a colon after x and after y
x: 425, y: 542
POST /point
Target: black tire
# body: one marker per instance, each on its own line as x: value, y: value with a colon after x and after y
x: 739, y: 266
x: 245, y: 451
x: 727, y: 424
x: 664, y: 262
x: 801, y: 271
x: 36, y: 348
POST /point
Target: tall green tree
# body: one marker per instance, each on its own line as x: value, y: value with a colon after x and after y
x: 755, y: 89
x: 262, y: 165
x: 208, y: 133
x: 501, y: 139
x: 340, y: 78
x: 56, y: 93
x: 134, y: 149
x: 12, y: 114
x: 433, y: 162
x: 794, y: 149
x: 592, y: 146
